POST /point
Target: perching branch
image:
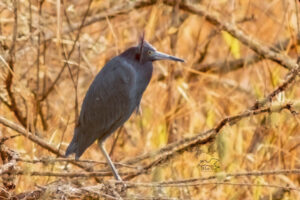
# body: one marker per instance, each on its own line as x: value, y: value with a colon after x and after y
x: 163, y: 157
x: 61, y: 188
x: 51, y: 160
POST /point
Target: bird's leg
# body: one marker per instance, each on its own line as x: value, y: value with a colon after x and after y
x: 110, y: 163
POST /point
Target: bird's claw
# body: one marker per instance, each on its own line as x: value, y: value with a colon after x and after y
x: 123, y: 186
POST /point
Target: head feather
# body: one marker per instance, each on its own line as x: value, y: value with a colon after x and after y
x: 142, y: 45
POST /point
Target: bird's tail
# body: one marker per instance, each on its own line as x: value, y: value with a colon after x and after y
x: 79, y: 143
x: 73, y: 146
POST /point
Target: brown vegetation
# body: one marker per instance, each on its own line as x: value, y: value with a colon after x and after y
x: 222, y: 125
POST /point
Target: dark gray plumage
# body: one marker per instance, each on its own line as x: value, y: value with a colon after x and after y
x: 113, y: 96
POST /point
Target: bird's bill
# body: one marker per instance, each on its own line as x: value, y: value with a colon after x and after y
x: 162, y: 56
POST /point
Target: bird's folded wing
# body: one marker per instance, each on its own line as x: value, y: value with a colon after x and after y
x: 109, y: 100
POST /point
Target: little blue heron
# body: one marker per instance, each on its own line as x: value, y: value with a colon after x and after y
x: 113, y: 96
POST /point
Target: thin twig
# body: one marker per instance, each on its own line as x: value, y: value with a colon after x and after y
x: 45, y: 95
x: 9, y: 79
x: 37, y: 102
x: 115, y: 141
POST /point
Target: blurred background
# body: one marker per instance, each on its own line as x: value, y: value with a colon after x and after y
x: 50, y: 51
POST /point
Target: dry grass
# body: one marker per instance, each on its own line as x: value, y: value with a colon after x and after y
x: 182, y: 100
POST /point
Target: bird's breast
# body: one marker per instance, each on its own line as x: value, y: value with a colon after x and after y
x: 144, y: 75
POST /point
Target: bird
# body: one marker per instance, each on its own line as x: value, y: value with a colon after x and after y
x: 113, y: 96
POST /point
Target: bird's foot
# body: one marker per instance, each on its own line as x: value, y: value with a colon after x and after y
x: 117, y: 188
x: 121, y: 186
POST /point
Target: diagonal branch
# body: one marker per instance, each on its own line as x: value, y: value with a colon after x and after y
x: 202, y: 137
x: 247, y: 40
x: 170, y: 150
x: 231, y: 65
x: 37, y: 140
x: 165, y: 153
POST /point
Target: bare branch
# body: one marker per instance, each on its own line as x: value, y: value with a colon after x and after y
x: 247, y: 40
x: 231, y: 65
x: 165, y: 153
x: 37, y: 140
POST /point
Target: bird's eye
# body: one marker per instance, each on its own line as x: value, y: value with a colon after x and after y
x: 149, y: 52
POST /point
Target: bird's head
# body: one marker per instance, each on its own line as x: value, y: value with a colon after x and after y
x: 148, y: 53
